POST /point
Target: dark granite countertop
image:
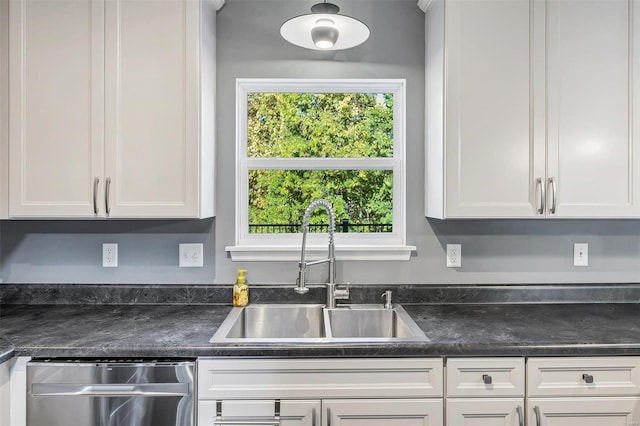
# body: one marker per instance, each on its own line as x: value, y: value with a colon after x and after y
x: 452, y: 330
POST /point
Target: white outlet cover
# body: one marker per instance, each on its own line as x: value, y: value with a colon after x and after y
x: 110, y: 255
x: 454, y: 255
x: 581, y: 254
x: 191, y: 255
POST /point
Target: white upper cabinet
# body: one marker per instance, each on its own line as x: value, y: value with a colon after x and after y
x: 593, y: 82
x: 112, y: 108
x: 529, y: 108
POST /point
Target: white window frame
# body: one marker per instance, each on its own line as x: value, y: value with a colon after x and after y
x: 349, y: 246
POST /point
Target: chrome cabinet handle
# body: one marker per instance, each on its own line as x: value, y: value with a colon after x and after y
x: 520, y: 415
x: 588, y: 378
x: 487, y: 379
x: 536, y: 410
x: 313, y: 417
x: 541, y: 195
x: 248, y: 421
x: 554, y: 190
x: 107, y: 190
x: 328, y: 417
x: 96, y: 181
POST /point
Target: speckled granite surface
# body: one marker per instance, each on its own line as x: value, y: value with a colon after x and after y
x: 452, y: 330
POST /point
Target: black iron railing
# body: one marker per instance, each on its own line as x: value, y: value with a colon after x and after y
x: 343, y: 226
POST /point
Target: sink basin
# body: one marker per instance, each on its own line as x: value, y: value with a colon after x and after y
x: 273, y: 323
x: 371, y: 321
x: 299, y: 323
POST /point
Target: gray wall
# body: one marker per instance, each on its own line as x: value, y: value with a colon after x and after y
x: 494, y: 251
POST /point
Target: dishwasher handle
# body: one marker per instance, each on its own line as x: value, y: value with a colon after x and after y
x: 126, y: 390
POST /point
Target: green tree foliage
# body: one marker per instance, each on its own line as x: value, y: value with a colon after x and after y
x: 322, y: 125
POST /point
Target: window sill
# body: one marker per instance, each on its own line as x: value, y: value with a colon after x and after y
x: 273, y: 253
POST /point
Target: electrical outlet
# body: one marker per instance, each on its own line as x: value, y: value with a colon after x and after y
x: 191, y: 255
x: 581, y: 254
x: 454, y: 255
x: 109, y: 255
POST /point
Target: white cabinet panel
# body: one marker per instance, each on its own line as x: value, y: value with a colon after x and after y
x: 152, y: 137
x: 479, y: 84
x: 13, y: 392
x: 610, y: 411
x: 56, y: 130
x: 583, y: 376
x: 485, y: 377
x: 382, y: 412
x: 485, y: 412
x: 224, y: 378
x: 592, y: 83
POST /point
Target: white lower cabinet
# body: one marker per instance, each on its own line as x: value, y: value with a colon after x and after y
x: 382, y: 412
x: 320, y: 392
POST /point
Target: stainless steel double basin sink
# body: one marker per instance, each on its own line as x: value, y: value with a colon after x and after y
x: 282, y: 323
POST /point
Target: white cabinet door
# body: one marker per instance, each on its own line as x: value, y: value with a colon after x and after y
x: 152, y: 94
x: 56, y: 99
x: 485, y: 412
x: 593, y: 91
x: 479, y: 55
x: 609, y: 411
x: 250, y: 412
x: 382, y: 412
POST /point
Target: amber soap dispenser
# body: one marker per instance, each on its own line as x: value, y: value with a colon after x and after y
x: 241, y: 290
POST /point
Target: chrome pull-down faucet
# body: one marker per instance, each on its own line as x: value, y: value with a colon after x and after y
x: 333, y: 292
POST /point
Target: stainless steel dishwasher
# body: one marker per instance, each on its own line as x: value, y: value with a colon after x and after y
x: 110, y: 393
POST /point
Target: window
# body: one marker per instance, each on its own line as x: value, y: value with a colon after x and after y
x: 300, y: 140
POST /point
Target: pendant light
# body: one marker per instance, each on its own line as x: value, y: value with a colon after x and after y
x: 325, y: 29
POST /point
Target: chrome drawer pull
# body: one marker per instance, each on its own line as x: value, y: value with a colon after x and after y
x: 554, y: 190
x: 536, y: 410
x: 487, y: 379
x: 96, y: 181
x: 106, y: 195
x: 247, y: 421
x: 588, y: 378
x: 541, y: 195
x: 520, y: 416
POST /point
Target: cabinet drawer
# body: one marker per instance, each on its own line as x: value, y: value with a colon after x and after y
x: 583, y: 376
x: 483, y: 411
x: 248, y: 378
x: 485, y: 377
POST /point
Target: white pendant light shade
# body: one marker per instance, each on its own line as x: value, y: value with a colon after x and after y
x: 324, y: 29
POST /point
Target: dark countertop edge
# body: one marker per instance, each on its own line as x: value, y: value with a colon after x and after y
x: 382, y: 350
x: 7, y: 354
